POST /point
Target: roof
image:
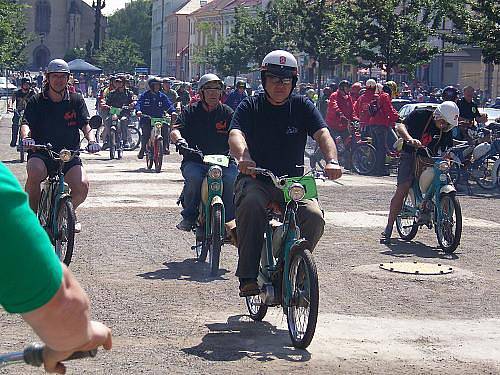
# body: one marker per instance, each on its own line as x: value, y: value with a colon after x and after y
x: 188, y: 7
x: 214, y: 6
x: 242, y: 3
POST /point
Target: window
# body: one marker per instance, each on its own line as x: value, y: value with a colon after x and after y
x: 42, y: 17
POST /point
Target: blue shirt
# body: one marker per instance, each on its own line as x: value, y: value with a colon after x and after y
x: 235, y: 98
x: 154, y: 105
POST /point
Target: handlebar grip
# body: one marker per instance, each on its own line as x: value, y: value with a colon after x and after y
x: 33, y: 354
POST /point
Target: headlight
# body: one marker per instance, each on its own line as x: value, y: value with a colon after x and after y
x: 215, y: 172
x: 444, y: 166
x: 158, y: 124
x: 114, y: 117
x: 296, y: 192
x: 65, y: 155
x: 215, y: 186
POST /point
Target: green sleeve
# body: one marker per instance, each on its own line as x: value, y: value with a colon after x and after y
x: 30, y: 272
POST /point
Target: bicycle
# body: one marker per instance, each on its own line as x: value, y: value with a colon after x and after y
x: 116, y: 130
x: 33, y: 355
x: 287, y: 275
x: 154, y: 147
x: 55, y: 208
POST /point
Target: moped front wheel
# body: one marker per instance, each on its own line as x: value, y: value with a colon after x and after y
x: 216, y: 241
x: 363, y: 159
x: 158, y: 154
x: 406, y: 222
x: 256, y: 308
x: 65, y: 226
x: 149, y: 157
x: 112, y: 144
x: 449, y: 226
x: 302, y: 311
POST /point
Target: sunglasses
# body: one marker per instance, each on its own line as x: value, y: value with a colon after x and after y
x: 278, y: 80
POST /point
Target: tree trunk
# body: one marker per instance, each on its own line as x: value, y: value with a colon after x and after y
x: 319, y: 76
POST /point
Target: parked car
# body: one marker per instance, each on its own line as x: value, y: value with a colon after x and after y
x: 409, y: 108
x: 6, y: 88
x: 493, y: 114
x: 398, y: 103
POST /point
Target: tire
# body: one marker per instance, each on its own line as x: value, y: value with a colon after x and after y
x: 487, y: 181
x: 216, y: 241
x: 64, y: 239
x: 158, y: 155
x: 303, y: 278
x: 407, y: 225
x: 135, y: 138
x: 256, y: 308
x: 449, y: 241
x: 112, y: 143
x: 200, y: 247
x: 149, y: 157
x: 363, y: 159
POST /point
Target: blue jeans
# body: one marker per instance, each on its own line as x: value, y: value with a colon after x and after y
x: 193, y: 174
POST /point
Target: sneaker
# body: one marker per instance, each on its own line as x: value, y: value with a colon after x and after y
x: 78, y: 227
x: 385, y: 237
x: 249, y: 287
x: 13, y: 144
x: 185, y: 225
x: 140, y: 155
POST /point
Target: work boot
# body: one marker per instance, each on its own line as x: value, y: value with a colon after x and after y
x: 185, y: 225
x: 249, y: 287
x: 140, y: 155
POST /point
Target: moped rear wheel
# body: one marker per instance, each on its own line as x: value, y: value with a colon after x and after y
x: 158, y: 155
x: 363, y: 159
x: 256, y: 307
x: 406, y: 222
x: 149, y: 157
x: 302, y: 313
x: 216, y: 241
x: 449, y: 227
x: 65, y: 236
x: 112, y: 143
x: 486, y: 180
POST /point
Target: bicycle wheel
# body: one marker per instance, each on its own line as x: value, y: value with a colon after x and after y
x: 256, y: 308
x: 363, y: 159
x: 485, y: 178
x: 302, y: 314
x: 149, y: 156
x: 65, y: 236
x: 112, y: 143
x: 406, y: 222
x: 449, y: 228
x: 216, y: 240
x: 134, y: 138
x: 158, y: 155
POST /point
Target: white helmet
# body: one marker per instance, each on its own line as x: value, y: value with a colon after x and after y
x: 209, y: 77
x: 58, y: 66
x: 371, y: 83
x: 280, y: 63
x: 449, y: 112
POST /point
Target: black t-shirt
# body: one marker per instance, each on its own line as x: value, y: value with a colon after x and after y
x: 276, y: 135
x: 433, y: 138
x: 56, y: 123
x: 208, y: 131
x: 119, y: 99
x: 468, y: 110
x: 22, y: 97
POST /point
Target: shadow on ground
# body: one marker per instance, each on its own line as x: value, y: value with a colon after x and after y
x: 187, y: 270
x: 241, y: 337
x: 402, y: 249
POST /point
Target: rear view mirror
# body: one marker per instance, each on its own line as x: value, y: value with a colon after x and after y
x: 95, y: 122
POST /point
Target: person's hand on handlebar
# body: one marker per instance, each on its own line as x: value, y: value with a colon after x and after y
x: 93, y: 147
x: 99, y: 335
x: 333, y: 171
x: 245, y: 164
x: 28, y: 142
x: 180, y: 146
x: 414, y: 143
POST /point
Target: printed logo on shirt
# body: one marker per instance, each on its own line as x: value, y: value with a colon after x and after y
x: 221, y: 127
x: 291, y: 130
x: 70, y: 117
x: 474, y: 109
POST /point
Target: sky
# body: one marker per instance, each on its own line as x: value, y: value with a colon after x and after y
x: 111, y: 5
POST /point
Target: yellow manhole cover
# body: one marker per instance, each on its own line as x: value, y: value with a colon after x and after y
x: 417, y: 268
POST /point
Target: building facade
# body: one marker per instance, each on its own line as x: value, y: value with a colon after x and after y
x: 58, y: 26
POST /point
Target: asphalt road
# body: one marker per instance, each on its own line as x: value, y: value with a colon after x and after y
x: 167, y: 316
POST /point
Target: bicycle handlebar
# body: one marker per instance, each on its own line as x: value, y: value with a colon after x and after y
x: 279, y: 182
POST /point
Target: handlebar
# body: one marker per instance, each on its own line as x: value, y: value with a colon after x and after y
x: 191, y: 150
x: 279, y: 182
x: 57, y: 155
x: 33, y: 355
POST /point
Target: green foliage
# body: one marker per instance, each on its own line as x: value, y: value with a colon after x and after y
x: 119, y: 55
x: 75, y: 53
x: 134, y: 22
x: 13, y: 36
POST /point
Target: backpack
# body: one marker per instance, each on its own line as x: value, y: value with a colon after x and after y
x: 374, y: 106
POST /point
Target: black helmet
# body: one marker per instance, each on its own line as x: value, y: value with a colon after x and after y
x: 450, y: 93
x: 241, y: 84
x: 344, y: 84
x: 153, y: 80
x: 25, y: 80
x: 387, y: 89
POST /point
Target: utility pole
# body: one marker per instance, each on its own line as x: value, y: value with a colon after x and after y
x: 97, y: 29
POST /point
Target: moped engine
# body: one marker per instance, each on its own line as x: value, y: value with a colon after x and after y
x: 267, y: 294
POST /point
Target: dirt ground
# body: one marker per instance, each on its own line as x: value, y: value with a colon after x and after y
x: 167, y: 316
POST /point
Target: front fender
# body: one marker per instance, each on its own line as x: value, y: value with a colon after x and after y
x: 216, y: 200
x: 447, y: 189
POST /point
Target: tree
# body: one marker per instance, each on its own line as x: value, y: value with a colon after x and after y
x: 75, y: 53
x: 13, y: 36
x: 119, y: 55
x: 134, y: 22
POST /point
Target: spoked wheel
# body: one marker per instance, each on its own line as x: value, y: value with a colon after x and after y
x: 200, y: 247
x: 449, y: 228
x: 149, y: 156
x: 216, y: 241
x: 302, y: 314
x: 406, y: 222
x: 485, y: 178
x: 134, y: 138
x: 256, y: 307
x: 363, y: 159
x: 65, y: 236
x: 158, y: 154
x: 112, y: 143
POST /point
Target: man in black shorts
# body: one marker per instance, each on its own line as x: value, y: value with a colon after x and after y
x: 422, y: 127
x: 19, y: 98
x: 55, y: 116
x: 270, y: 131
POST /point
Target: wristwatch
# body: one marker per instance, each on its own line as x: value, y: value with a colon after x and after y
x: 333, y: 161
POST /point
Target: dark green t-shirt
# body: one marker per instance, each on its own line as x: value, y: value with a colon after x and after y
x: 30, y: 271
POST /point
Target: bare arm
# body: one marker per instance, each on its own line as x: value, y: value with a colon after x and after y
x: 87, y: 132
x: 403, y: 133
x: 239, y: 150
x: 175, y: 135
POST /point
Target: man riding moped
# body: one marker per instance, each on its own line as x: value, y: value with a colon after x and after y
x: 204, y: 126
x: 269, y: 131
x: 19, y: 98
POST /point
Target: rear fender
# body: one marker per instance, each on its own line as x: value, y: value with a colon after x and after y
x: 447, y: 189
